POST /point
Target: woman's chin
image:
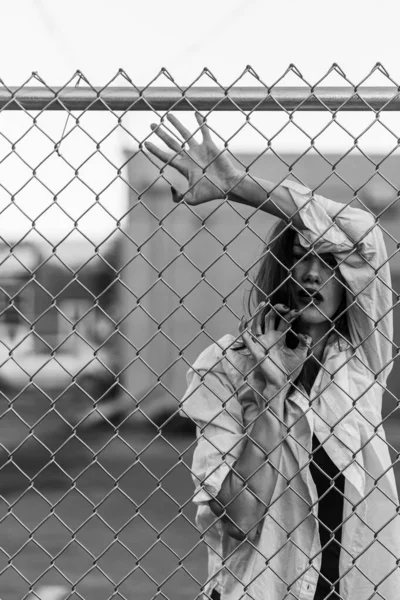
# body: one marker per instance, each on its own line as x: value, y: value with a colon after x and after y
x: 313, y: 315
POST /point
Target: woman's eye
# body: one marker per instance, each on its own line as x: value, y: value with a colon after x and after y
x: 330, y: 260
x: 326, y: 259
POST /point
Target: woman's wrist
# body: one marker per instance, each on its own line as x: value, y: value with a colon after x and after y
x: 246, y: 189
x: 256, y: 192
x: 232, y: 183
x: 274, y: 397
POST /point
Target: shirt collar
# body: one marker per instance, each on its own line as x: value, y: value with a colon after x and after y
x: 339, y: 341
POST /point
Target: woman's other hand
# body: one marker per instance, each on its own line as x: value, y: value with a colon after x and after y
x: 208, y: 170
x: 277, y: 363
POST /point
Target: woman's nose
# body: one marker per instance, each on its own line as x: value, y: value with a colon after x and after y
x: 313, y: 270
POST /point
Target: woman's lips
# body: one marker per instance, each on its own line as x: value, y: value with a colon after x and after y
x: 308, y: 297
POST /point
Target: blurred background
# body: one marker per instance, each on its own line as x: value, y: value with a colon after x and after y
x: 108, y: 295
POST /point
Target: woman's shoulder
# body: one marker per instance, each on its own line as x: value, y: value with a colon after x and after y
x: 213, y: 355
x: 225, y: 356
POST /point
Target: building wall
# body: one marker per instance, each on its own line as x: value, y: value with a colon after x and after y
x: 53, y: 322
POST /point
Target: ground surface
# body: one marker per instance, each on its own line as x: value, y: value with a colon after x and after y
x: 110, y: 515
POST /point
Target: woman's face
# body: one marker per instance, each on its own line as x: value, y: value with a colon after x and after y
x: 316, y: 289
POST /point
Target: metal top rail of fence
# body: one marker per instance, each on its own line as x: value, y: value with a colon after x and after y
x: 200, y: 98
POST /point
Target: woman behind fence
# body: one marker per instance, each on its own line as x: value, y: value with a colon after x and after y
x: 294, y: 485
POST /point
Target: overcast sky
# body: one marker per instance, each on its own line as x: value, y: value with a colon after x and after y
x: 55, y: 38
x: 100, y: 36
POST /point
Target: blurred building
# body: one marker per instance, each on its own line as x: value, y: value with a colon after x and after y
x: 53, y: 319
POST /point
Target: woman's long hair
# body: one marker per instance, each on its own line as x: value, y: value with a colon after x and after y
x: 274, y: 285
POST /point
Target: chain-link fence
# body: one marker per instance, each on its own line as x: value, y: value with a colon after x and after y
x: 111, y: 292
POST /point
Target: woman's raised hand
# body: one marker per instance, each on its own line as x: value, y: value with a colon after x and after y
x: 277, y: 363
x: 208, y: 170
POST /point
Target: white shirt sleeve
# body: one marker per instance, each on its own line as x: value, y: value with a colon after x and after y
x: 355, y: 238
x: 211, y: 402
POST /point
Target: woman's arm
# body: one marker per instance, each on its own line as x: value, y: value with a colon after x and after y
x: 351, y: 234
x: 211, y: 175
x: 247, y: 490
x: 266, y: 195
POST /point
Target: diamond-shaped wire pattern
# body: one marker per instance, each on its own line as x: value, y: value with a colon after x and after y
x: 111, y: 292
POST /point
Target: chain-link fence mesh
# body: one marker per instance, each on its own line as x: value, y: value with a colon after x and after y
x: 109, y: 293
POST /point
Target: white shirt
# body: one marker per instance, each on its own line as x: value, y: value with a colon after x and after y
x: 344, y: 412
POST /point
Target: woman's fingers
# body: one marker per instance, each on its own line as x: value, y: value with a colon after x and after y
x: 270, y: 317
x: 256, y: 328
x: 287, y: 319
x: 256, y: 349
x: 242, y: 325
x: 176, y: 196
x: 185, y: 133
x: 166, y: 138
x: 269, y: 320
x: 165, y: 157
x: 205, y: 132
x: 305, y: 341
